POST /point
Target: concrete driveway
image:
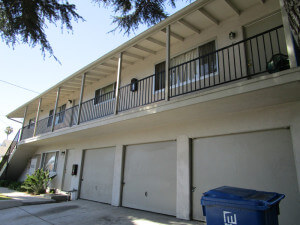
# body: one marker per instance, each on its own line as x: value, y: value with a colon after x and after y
x: 83, y: 212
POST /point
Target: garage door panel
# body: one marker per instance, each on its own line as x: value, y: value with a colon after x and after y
x: 258, y: 160
x: 97, y: 175
x: 150, y: 177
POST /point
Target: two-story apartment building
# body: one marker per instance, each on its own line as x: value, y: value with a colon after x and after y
x: 190, y: 104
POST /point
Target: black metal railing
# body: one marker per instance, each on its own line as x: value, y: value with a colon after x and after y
x: 10, y: 149
x: 240, y: 60
x: 66, y: 118
x: 145, y: 91
x: 27, y: 131
x: 44, y: 125
x: 98, y: 107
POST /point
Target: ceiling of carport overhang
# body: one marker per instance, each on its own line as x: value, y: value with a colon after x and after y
x: 208, y: 14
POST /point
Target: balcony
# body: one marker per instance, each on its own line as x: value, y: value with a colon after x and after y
x: 241, y: 60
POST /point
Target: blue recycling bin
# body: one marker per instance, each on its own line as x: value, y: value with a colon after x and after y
x: 237, y: 206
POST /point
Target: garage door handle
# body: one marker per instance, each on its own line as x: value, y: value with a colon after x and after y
x: 123, y: 183
x: 193, y: 189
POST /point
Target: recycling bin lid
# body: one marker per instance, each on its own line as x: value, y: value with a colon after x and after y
x: 240, y: 197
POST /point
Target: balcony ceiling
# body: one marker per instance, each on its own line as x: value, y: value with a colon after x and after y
x: 191, y: 20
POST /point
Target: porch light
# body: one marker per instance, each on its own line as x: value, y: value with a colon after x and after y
x: 134, y: 85
x: 232, y: 35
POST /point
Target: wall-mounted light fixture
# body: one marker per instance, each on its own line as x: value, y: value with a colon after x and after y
x: 232, y: 35
x: 70, y: 101
x: 63, y: 152
x: 134, y: 84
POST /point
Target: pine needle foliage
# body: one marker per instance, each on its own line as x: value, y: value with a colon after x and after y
x: 24, y: 21
x: 132, y: 13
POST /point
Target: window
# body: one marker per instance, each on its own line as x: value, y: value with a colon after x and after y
x: 202, y: 61
x: 50, y: 118
x: 49, y: 161
x: 104, y: 94
x: 208, y: 58
x: 61, y: 114
x: 160, y: 76
x: 59, y: 117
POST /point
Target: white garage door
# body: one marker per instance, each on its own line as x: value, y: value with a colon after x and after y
x: 150, y: 177
x: 259, y: 160
x: 97, y: 175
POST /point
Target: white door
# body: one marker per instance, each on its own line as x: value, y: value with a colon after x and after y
x: 73, y: 157
x: 33, y: 164
x: 97, y: 175
x: 150, y: 177
x: 258, y: 160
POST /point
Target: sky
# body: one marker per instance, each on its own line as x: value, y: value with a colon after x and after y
x: 25, y: 66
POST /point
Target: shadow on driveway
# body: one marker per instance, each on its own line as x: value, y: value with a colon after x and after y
x: 84, y: 212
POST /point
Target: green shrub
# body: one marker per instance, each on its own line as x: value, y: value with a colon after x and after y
x: 4, y: 183
x: 14, y: 185
x: 37, y: 183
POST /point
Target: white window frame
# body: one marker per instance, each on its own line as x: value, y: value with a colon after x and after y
x: 42, y: 162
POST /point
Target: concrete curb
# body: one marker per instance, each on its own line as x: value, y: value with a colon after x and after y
x: 46, y: 201
x: 5, y: 204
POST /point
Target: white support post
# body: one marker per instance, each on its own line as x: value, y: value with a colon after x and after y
x: 118, y: 176
x: 37, y: 117
x: 118, y: 82
x: 80, y: 97
x: 183, y: 199
x: 288, y: 36
x: 55, y: 108
x: 23, y: 124
x: 295, y: 132
x: 168, y: 31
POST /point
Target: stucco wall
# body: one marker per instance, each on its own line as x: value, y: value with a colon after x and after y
x: 286, y: 115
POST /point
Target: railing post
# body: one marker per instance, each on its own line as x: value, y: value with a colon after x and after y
x: 118, y: 82
x: 55, y: 108
x: 288, y: 36
x: 167, y: 63
x: 37, y: 117
x: 80, y: 98
x: 22, y: 129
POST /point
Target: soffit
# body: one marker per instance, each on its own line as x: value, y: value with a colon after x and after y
x: 191, y: 20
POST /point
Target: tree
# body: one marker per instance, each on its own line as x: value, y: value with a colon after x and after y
x: 25, y: 20
x: 292, y: 8
x: 8, y: 130
x: 136, y: 12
